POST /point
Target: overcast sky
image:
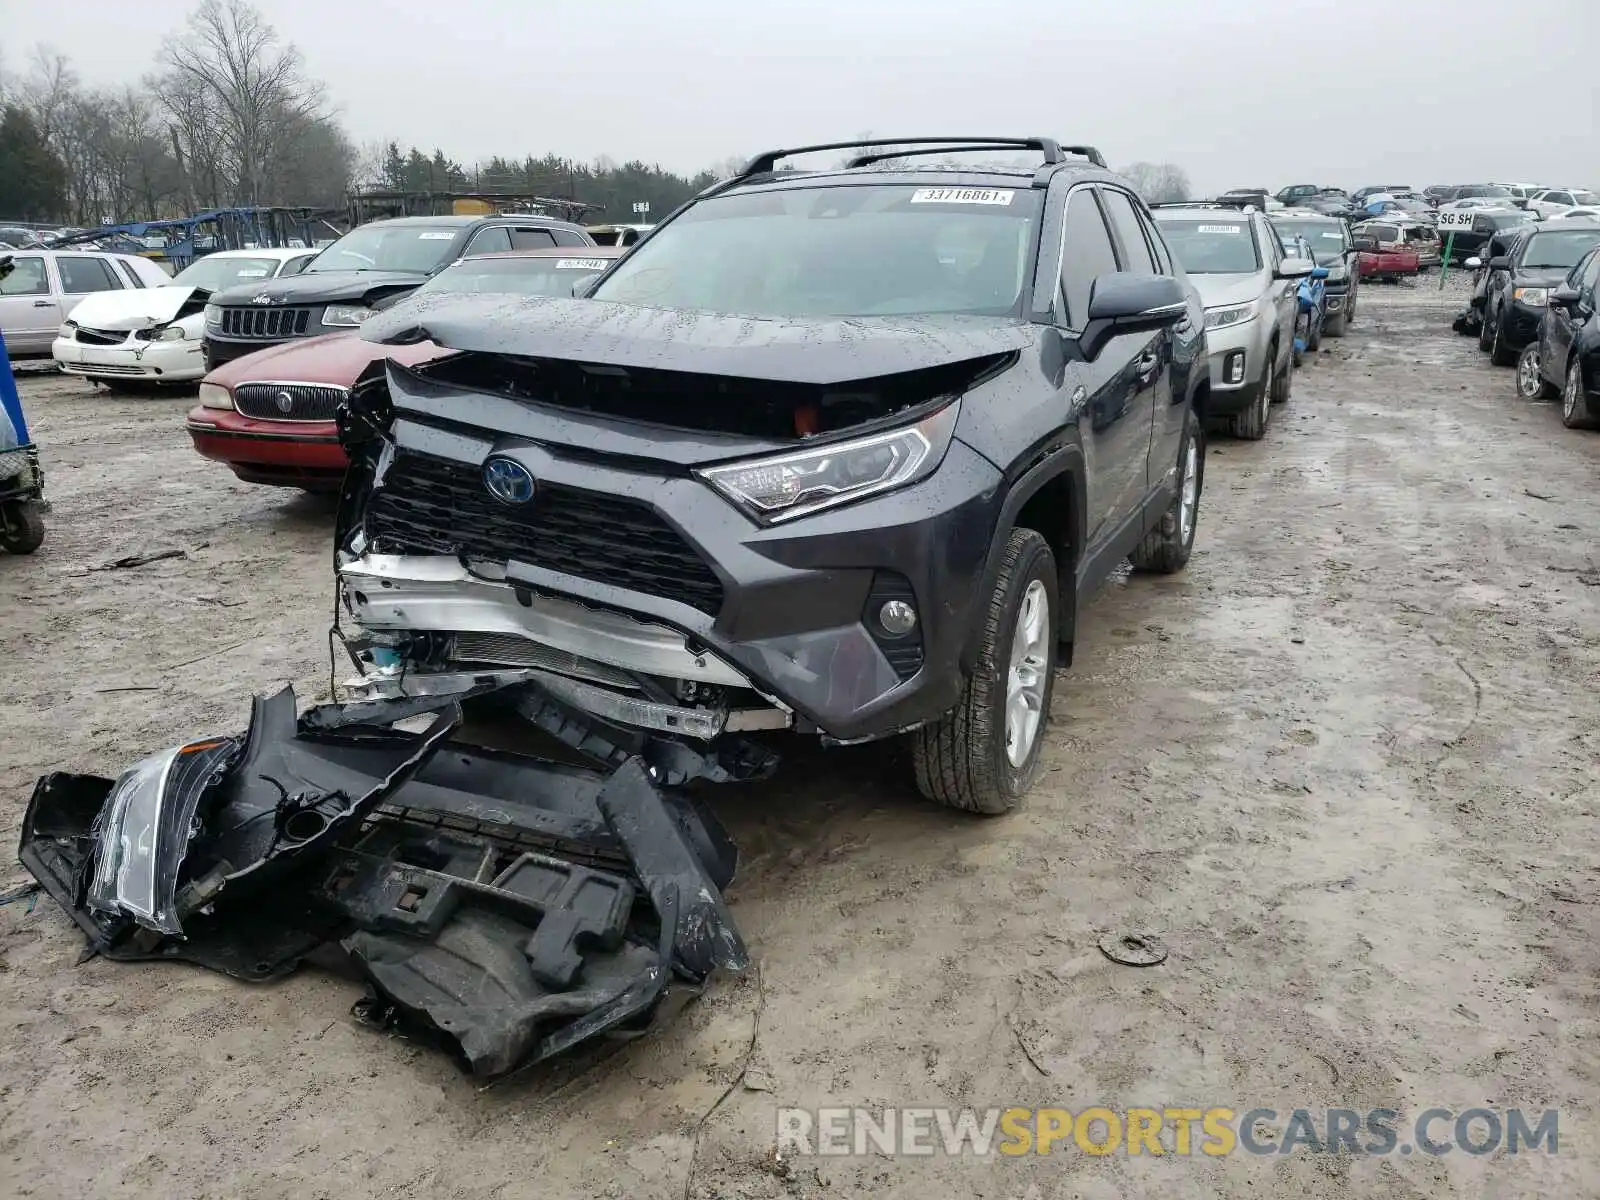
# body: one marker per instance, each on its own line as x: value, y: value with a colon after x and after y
x: 1237, y: 92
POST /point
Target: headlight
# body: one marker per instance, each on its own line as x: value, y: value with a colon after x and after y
x: 786, y: 486
x: 68, y: 330
x: 1532, y: 297
x: 347, y: 315
x: 124, y: 875
x: 1337, y: 273
x: 214, y: 395
x: 172, y: 333
x: 1237, y: 314
x: 213, y: 314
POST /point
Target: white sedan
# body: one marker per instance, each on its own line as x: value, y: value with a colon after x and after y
x: 153, y: 335
x: 1553, y: 202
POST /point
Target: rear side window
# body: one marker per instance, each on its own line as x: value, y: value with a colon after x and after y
x: 531, y: 239
x: 1086, y: 254
x: 295, y: 265
x: 133, y: 276
x: 1591, y: 275
x: 493, y: 240
x: 79, y: 275
x: 27, y: 278
x: 1135, y: 253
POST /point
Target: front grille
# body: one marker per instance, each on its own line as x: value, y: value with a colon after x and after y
x: 266, y: 322
x: 429, y: 505
x: 105, y: 368
x: 101, y: 337
x: 305, y: 402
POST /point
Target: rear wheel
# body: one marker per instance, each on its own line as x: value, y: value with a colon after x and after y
x: 1500, y: 354
x: 983, y: 755
x: 1574, y: 406
x: 1485, y: 331
x: 21, y: 527
x: 1166, y: 548
x: 1531, y: 384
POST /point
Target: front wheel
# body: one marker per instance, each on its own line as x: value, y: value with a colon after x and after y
x: 983, y: 755
x: 1316, y: 331
x: 21, y: 527
x: 1166, y: 548
x: 1574, y: 406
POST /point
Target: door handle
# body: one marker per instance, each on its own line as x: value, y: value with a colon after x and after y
x: 42, y: 303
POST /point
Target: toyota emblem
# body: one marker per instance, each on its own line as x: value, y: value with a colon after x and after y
x: 508, y: 480
x: 285, y: 403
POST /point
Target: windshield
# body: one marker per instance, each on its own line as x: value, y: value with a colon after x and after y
x: 515, y: 275
x: 1585, y: 198
x: 1211, y: 247
x: 1326, y: 238
x: 215, y: 274
x: 417, y: 248
x: 1562, y: 249
x: 875, y: 250
x: 1505, y: 220
x: 1476, y: 190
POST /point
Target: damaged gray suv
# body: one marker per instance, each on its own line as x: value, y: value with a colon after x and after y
x: 840, y: 452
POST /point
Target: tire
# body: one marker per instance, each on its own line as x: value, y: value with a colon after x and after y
x: 1166, y: 548
x: 961, y: 760
x: 1531, y: 383
x: 1283, y: 385
x: 1485, y: 332
x: 21, y: 527
x: 1574, y: 405
x: 1251, y: 425
x: 1500, y: 354
x: 1299, y: 336
x: 1336, y: 325
x: 1316, y: 333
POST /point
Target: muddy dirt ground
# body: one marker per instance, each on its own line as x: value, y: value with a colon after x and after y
x: 1344, y: 767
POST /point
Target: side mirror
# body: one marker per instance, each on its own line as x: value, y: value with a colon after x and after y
x: 1473, y: 263
x: 1500, y: 262
x: 1564, y: 296
x: 1319, y: 272
x: 1369, y: 244
x: 1294, y: 268
x: 1123, y: 303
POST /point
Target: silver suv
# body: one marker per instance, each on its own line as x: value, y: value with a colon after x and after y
x: 1248, y: 287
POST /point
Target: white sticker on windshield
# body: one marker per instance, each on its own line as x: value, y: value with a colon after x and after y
x: 431, y: 235
x: 251, y: 274
x: 580, y: 264
x: 1220, y: 228
x: 951, y: 195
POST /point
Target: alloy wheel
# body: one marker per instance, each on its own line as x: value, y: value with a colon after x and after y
x: 1025, y: 676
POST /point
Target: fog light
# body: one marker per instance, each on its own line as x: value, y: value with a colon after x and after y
x: 897, y: 618
x: 1233, y: 367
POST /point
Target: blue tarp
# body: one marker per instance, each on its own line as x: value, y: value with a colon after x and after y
x: 13, y: 429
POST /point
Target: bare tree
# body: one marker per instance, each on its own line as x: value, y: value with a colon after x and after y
x: 1158, y: 183
x: 230, y: 70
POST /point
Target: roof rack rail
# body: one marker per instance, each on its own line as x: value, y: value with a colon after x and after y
x: 763, y: 164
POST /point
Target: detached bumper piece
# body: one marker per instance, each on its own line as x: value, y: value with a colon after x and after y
x: 502, y: 906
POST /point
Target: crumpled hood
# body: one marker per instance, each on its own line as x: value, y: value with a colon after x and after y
x: 323, y: 287
x: 1216, y: 290
x: 135, y: 308
x: 797, y: 350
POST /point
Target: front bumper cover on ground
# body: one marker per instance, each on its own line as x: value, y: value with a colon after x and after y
x: 505, y: 906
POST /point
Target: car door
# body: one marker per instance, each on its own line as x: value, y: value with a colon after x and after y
x: 1282, y: 291
x: 1561, y: 323
x: 1116, y: 431
x: 1153, y: 364
x: 30, y: 307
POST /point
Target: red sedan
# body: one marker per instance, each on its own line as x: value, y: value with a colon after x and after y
x: 269, y: 415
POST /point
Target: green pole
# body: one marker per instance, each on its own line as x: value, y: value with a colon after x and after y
x: 1449, y: 250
